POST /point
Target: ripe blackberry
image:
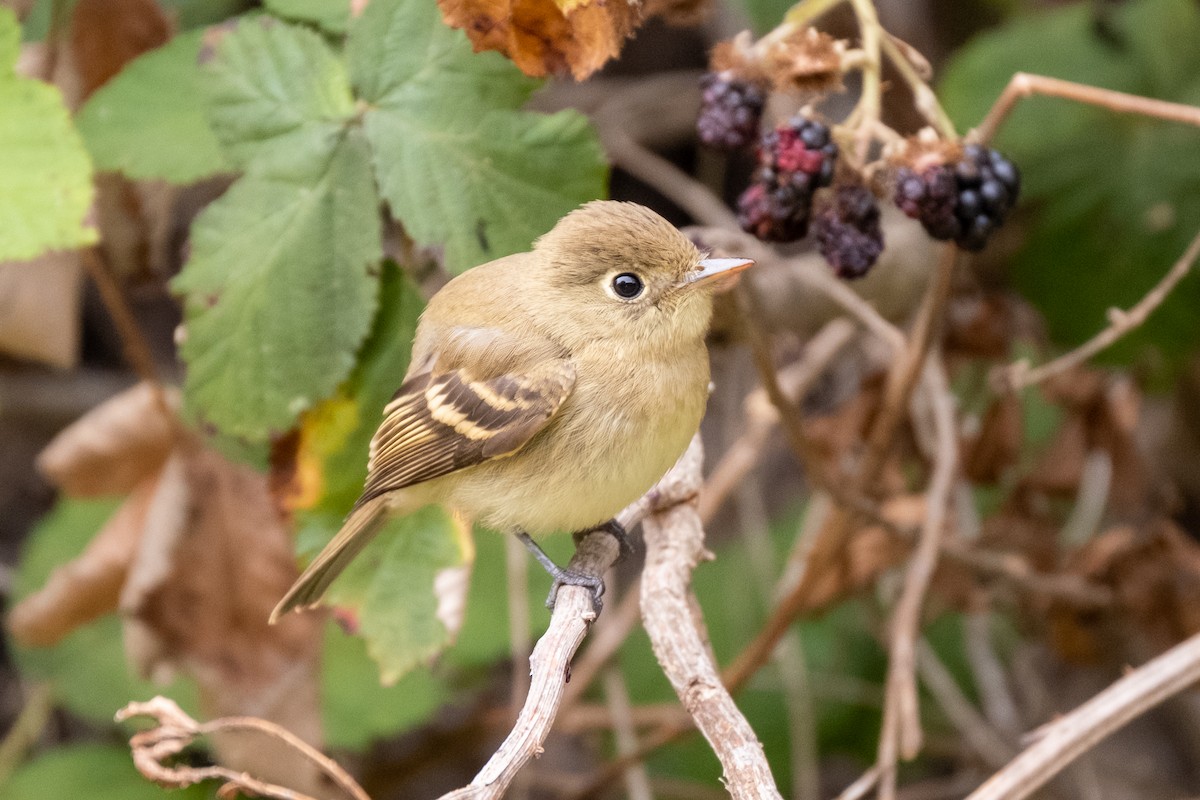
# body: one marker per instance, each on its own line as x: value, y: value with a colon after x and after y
x: 848, y: 231
x: 795, y: 160
x: 776, y: 207
x: 730, y: 110
x: 965, y: 201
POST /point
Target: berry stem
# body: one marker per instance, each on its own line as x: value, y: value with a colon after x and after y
x: 872, y: 72
x: 923, y: 97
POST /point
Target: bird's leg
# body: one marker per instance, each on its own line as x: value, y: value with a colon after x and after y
x: 614, y: 529
x: 564, y: 577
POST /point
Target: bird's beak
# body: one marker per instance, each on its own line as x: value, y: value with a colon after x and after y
x: 721, y: 271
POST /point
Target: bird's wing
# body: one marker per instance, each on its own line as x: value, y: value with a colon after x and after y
x: 448, y: 419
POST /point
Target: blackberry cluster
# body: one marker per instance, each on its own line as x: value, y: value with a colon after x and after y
x: 730, y: 111
x: 965, y: 201
x: 848, y: 231
x: 794, y: 160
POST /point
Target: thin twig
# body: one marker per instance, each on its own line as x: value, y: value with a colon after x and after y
x: 924, y: 98
x: 981, y: 737
x: 831, y: 543
x: 990, y: 678
x: 516, y: 561
x: 674, y: 546
x: 870, y: 102
x: 1062, y: 741
x: 1024, y: 85
x: 549, y: 665
x: 901, y: 734
x: 26, y: 729
x: 175, y: 731
x: 1019, y: 374
x: 865, y: 783
x: 133, y: 342
x: 637, y: 784
x: 790, y: 666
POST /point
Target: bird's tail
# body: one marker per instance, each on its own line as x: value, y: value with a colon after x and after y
x: 359, y: 528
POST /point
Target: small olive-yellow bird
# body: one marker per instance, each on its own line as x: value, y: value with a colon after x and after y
x: 547, y: 390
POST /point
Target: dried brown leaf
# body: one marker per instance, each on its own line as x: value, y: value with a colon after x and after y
x: 112, y: 448
x: 198, y: 598
x: 807, y: 60
x: 89, y: 586
x: 1153, y: 569
x: 544, y: 37
x: 39, y: 308
x: 997, y: 446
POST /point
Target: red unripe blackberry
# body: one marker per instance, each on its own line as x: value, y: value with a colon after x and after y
x: 848, y: 231
x: 730, y: 111
x: 795, y: 159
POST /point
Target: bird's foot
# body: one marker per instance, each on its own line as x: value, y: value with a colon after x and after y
x: 564, y: 577
x: 617, y: 531
x: 570, y: 577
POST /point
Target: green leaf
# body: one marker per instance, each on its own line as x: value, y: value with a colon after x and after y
x: 457, y: 161
x: 389, y: 588
x: 87, y: 669
x: 392, y: 588
x: 10, y: 42
x: 94, y: 771
x: 280, y: 292
x: 356, y: 709
x: 150, y: 120
x: 45, y: 175
x: 1111, y: 207
x: 332, y: 15
x: 279, y: 98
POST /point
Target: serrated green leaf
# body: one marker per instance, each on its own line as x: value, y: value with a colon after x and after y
x: 342, y: 444
x: 1113, y: 205
x: 332, y: 15
x: 389, y: 589
x: 279, y: 98
x: 458, y: 163
x: 150, y: 120
x: 392, y: 589
x: 280, y: 292
x: 87, y: 670
x: 45, y: 174
x: 94, y: 771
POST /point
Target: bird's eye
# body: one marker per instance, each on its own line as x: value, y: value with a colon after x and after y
x: 627, y: 285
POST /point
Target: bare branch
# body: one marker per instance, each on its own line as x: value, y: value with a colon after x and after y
x: 1024, y: 85
x: 176, y: 730
x: 1062, y: 741
x: 901, y: 734
x: 674, y: 546
x: 1019, y: 374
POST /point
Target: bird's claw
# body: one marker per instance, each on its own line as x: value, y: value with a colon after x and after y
x: 570, y: 577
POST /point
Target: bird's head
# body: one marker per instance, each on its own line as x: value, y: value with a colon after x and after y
x: 629, y: 272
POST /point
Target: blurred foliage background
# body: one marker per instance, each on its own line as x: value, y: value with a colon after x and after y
x: 280, y: 176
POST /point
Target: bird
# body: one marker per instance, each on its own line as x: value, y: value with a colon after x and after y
x: 546, y: 390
